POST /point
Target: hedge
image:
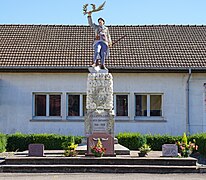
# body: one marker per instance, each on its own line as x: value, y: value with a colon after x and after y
x: 20, y: 142
x: 156, y: 141
x: 132, y: 141
x: 3, y: 142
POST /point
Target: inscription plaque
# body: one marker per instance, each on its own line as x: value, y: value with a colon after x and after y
x: 169, y: 150
x: 99, y: 124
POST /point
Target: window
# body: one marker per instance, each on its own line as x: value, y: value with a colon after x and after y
x: 141, y: 105
x: 121, y: 105
x: 54, y: 105
x: 155, y: 105
x: 40, y: 105
x: 148, y: 105
x: 76, y: 104
x: 73, y: 105
x: 47, y: 105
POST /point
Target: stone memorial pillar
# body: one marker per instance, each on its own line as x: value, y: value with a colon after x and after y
x: 99, y: 119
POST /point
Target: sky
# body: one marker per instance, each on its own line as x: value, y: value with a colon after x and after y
x: 116, y: 12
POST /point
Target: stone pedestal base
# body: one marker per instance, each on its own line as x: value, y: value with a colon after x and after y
x: 107, y: 142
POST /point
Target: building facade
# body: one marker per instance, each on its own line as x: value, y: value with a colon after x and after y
x: 143, y: 102
x: 159, y: 79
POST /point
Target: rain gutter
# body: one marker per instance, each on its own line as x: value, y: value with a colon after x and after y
x: 188, y: 102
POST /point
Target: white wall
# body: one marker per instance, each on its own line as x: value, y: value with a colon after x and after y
x: 173, y: 88
x: 197, y: 103
x: 16, y: 101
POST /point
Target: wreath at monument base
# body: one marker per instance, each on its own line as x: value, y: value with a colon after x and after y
x: 98, y: 150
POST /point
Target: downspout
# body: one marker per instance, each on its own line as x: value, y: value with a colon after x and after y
x: 188, y: 103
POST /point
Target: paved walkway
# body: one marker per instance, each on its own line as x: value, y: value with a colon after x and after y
x: 100, y: 176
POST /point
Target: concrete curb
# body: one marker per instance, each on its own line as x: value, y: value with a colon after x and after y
x: 97, y: 169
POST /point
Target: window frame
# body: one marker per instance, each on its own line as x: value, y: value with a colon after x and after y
x: 81, y: 108
x: 115, y: 107
x: 47, y: 106
x: 149, y: 117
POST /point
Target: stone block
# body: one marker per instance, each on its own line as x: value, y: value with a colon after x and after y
x: 36, y: 150
x: 169, y: 150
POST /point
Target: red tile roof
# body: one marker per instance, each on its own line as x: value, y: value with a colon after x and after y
x: 70, y: 47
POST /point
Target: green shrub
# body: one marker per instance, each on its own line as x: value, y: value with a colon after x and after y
x: 3, y: 142
x: 156, y: 141
x: 20, y: 142
x: 50, y: 141
x: 70, y: 140
x: 200, y: 140
x: 132, y: 141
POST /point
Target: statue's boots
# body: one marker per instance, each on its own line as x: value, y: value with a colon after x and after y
x: 103, y: 66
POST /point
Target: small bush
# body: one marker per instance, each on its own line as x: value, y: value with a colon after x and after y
x: 3, y: 142
x: 200, y: 140
x: 132, y: 141
x: 66, y: 144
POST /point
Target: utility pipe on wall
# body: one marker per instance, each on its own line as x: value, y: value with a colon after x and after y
x: 188, y: 102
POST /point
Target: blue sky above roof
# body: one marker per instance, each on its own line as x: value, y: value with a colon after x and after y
x: 132, y: 12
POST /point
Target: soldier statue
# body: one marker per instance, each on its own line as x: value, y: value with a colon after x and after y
x: 102, y: 41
